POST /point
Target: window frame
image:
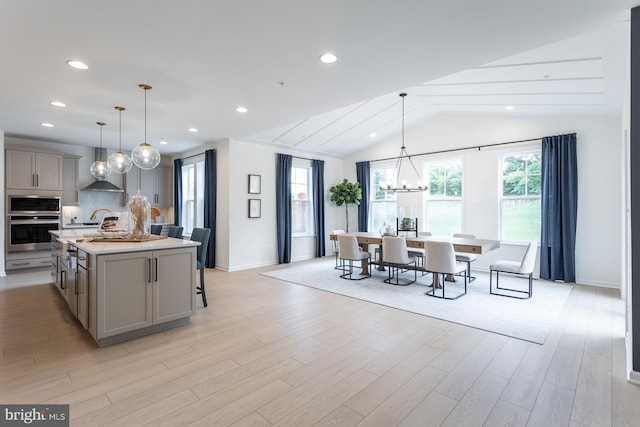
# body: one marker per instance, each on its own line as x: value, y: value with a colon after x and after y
x: 310, y: 226
x: 390, y: 198
x: 502, y: 198
x: 197, y: 217
x: 443, y: 198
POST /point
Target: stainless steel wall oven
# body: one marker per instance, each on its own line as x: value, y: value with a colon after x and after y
x: 29, y: 221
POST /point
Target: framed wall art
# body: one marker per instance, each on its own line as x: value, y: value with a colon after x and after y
x: 254, y: 208
x: 254, y: 184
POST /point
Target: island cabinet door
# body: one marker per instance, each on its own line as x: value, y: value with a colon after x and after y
x: 174, y: 284
x: 124, y: 292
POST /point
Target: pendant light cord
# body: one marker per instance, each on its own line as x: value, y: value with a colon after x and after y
x: 120, y: 130
x: 145, y: 116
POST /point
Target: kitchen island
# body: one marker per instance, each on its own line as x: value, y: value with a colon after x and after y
x: 123, y: 290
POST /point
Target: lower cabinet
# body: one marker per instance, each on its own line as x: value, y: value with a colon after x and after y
x: 82, y: 289
x: 137, y: 290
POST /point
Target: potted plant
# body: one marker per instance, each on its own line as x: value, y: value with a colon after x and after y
x: 346, y: 193
x: 407, y: 224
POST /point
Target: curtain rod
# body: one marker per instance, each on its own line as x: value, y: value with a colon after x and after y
x: 478, y: 147
x: 302, y: 158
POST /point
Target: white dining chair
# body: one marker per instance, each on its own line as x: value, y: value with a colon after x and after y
x: 524, y: 267
x: 350, y: 251
x: 466, y: 257
x: 420, y: 253
x: 395, y: 255
x: 441, y: 260
x: 336, y: 247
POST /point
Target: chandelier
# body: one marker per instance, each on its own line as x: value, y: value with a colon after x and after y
x: 404, y: 186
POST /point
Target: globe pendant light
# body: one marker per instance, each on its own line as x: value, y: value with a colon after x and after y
x: 145, y: 156
x: 120, y: 162
x: 100, y: 169
x: 403, y: 187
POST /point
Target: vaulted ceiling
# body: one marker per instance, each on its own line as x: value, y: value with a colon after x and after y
x: 206, y: 58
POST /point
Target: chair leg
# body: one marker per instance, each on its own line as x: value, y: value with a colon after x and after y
x: 471, y: 278
x: 528, y: 293
x: 201, y: 289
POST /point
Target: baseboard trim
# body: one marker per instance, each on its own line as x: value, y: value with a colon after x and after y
x: 634, y: 377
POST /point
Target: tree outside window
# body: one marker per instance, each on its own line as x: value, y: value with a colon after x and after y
x: 520, y: 201
x: 444, y: 204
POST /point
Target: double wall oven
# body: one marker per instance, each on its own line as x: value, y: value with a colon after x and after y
x: 29, y: 220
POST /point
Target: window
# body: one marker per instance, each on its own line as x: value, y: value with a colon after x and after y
x: 301, y: 206
x: 444, y: 203
x: 383, y: 206
x: 192, y: 196
x: 520, y: 202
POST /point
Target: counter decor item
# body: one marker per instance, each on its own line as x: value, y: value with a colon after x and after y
x: 139, y: 217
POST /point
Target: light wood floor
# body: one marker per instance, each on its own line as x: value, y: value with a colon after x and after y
x: 267, y: 352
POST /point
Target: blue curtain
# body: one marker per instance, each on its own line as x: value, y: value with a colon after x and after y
x: 177, y: 191
x: 317, y: 172
x: 283, y: 207
x: 210, y: 174
x: 559, y: 208
x: 362, y: 174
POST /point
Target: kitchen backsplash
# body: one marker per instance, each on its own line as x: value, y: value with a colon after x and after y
x: 89, y: 201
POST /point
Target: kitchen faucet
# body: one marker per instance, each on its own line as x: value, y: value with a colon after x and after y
x: 93, y: 215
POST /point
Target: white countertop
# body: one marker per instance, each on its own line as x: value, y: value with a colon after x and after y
x: 75, y: 226
x: 101, y: 248
x: 67, y: 234
x: 76, y: 237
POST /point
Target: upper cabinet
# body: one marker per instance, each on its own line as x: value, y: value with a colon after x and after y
x: 70, y: 180
x: 156, y: 184
x: 27, y: 170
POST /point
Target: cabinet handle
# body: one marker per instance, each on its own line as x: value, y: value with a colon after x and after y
x: 77, y: 282
x: 37, y: 180
x: 156, y: 278
x: 63, y: 279
x: 20, y: 263
x: 149, y: 270
x: 33, y: 180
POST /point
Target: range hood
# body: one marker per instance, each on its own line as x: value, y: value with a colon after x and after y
x: 98, y: 184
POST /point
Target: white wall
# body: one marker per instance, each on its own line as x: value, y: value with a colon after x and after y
x: 598, y: 240
x: 252, y: 241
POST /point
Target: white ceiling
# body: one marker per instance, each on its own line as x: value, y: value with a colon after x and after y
x: 205, y: 58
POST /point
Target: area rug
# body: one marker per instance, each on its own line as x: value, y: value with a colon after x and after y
x: 529, y: 320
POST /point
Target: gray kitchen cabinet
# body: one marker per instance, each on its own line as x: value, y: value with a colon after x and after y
x: 156, y: 184
x: 26, y: 170
x: 82, y: 289
x: 137, y: 290
x: 70, y: 180
x: 66, y: 276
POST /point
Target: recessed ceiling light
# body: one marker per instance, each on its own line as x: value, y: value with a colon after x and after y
x: 163, y: 142
x: 194, y: 130
x: 77, y: 64
x: 373, y: 134
x: 328, y: 58
x: 509, y: 107
x: 241, y: 109
x: 58, y: 103
x: 47, y: 124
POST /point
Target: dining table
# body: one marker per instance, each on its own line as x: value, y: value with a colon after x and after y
x: 460, y: 244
